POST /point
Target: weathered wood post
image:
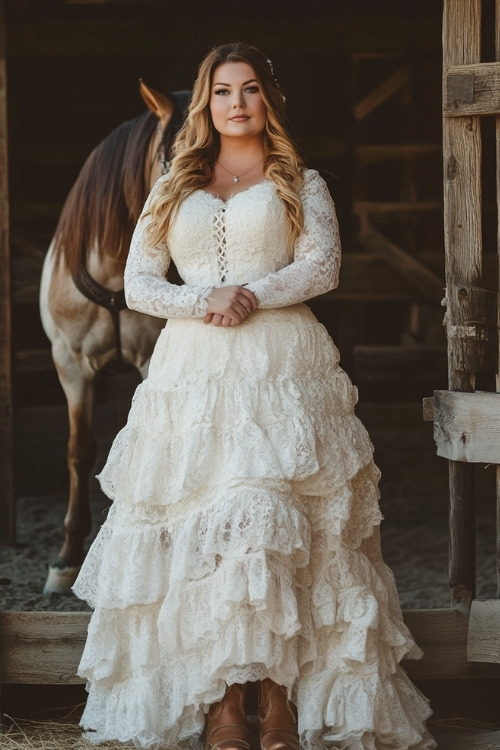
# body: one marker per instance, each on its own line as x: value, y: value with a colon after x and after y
x: 497, y: 132
x: 6, y: 483
x: 463, y: 246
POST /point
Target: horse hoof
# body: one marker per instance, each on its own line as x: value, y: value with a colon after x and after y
x: 60, y: 580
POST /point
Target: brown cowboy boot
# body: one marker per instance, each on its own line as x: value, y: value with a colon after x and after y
x: 277, y: 718
x: 226, y: 723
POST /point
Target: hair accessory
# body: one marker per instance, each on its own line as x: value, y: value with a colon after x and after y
x: 270, y: 63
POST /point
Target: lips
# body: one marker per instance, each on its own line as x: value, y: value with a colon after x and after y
x: 239, y: 118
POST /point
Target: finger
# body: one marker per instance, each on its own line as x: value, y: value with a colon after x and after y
x: 216, y: 319
x: 208, y: 318
x: 250, y: 296
x: 241, y: 309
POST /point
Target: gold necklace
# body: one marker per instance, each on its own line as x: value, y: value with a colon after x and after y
x: 236, y: 178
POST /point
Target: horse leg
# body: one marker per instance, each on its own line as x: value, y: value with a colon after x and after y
x: 81, y: 455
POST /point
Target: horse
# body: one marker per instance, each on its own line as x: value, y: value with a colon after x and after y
x: 82, y: 304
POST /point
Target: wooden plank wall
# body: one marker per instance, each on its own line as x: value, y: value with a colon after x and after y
x: 463, y: 250
x: 45, y: 647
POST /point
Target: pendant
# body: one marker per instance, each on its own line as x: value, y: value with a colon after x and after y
x: 236, y: 179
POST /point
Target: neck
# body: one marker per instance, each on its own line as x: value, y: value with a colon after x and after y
x: 242, y: 152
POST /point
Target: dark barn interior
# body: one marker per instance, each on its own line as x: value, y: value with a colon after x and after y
x: 363, y: 94
x: 363, y: 86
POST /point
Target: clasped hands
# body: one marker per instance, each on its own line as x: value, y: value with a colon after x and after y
x: 230, y: 305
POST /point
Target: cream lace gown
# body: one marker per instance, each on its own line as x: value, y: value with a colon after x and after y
x: 242, y: 541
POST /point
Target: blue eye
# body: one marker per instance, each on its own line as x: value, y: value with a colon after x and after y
x: 252, y: 90
x: 221, y: 91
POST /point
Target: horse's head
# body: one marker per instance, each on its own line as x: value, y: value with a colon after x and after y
x: 170, y: 114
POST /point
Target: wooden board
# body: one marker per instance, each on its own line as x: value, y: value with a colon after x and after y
x: 463, y: 253
x: 428, y: 284
x: 42, y: 647
x: 398, y: 362
x: 7, y: 530
x: 467, y: 426
x: 483, y: 643
x: 45, y: 647
x: 472, y: 90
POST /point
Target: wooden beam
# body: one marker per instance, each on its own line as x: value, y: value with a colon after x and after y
x: 472, y: 90
x: 381, y: 93
x: 474, y: 333
x: 7, y: 526
x: 364, y: 276
x: 368, y: 208
x: 369, y: 153
x: 179, y: 31
x: 428, y: 284
x: 483, y: 641
x: 467, y: 426
x: 42, y: 647
x: 442, y: 636
x: 375, y: 363
x: 463, y: 249
x: 46, y: 647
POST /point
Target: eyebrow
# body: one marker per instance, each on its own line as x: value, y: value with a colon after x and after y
x: 252, y: 80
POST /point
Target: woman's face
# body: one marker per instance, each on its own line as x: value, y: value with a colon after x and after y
x: 236, y: 104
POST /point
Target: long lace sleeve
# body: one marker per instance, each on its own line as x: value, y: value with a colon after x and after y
x: 146, y: 288
x: 316, y: 264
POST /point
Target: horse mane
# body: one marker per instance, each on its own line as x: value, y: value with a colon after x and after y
x: 106, y: 200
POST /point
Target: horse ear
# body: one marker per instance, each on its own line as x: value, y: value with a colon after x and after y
x: 157, y: 103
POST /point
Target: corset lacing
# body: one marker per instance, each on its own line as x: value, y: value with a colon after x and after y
x: 219, y: 222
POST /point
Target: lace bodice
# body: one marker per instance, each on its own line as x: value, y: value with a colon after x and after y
x: 243, y: 240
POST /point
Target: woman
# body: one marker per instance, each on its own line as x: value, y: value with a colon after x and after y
x: 242, y: 545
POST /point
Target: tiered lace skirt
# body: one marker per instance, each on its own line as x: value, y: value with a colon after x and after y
x: 243, y: 543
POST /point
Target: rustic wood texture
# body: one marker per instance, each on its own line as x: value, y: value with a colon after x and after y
x: 463, y: 250
x: 474, y: 336
x: 45, y: 647
x: 7, y: 529
x: 472, y: 90
x: 483, y: 642
x: 442, y: 636
x: 42, y: 647
x: 467, y: 426
x: 428, y: 409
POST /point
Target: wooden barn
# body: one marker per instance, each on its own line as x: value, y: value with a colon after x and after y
x: 397, y: 104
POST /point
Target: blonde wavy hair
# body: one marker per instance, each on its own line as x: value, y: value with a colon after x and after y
x: 198, y: 143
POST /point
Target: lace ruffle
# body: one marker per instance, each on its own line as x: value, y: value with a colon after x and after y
x: 303, y: 605
x: 243, y: 543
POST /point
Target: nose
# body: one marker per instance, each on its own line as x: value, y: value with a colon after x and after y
x: 238, y: 100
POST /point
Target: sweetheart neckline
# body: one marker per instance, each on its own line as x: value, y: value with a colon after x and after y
x: 234, y: 195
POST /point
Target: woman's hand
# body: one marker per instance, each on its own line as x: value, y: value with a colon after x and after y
x: 230, y: 305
